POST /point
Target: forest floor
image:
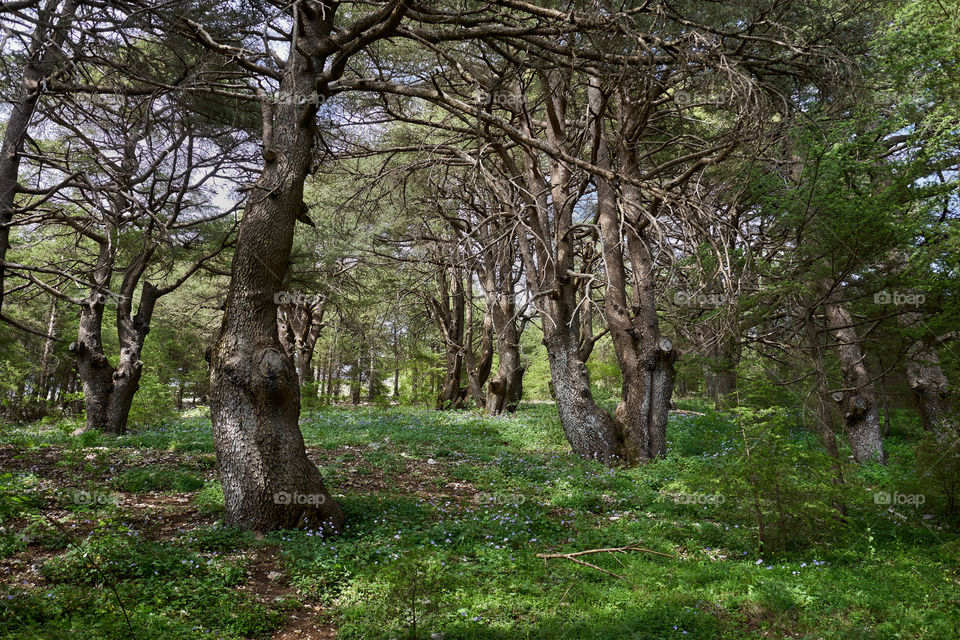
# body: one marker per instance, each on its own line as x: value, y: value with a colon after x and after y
x: 118, y: 537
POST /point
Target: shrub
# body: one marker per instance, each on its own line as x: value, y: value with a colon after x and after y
x: 153, y: 402
x: 938, y: 468
x: 774, y: 480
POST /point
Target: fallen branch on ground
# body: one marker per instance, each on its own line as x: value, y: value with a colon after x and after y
x: 574, y: 556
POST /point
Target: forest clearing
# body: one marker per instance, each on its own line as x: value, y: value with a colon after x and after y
x: 479, y: 319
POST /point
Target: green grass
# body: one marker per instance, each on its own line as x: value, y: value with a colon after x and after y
x: 459, y: 537
x: 157, y: 478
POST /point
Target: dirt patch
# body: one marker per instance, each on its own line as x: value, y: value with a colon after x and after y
x: 267, y: 581
x: 269, y: 584
x: 163, y: 516
x: 67, y: 467
x: 307, y: 625
x: 421, y: 477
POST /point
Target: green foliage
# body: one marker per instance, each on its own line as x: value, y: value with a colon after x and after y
x: 153, y: 403
x: 210, y: 498
x: 536, y: 379
x: 937, y: 462
x: 11, y: 376
x: 218, y: 538
x: 157, y: 478
x: 760, y: 472
x: 18, y: 495
x: 416, y: 591
x: 500, y: 491
x: 786, y: 488
x: 113, y: 582
x: 109, y: 557
x: 310, y: 398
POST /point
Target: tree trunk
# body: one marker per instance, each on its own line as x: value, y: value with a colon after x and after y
x: 43, y: 387
x: 858, y: 402
x: 646, y: 359
x: 96, y: 375
x: 300, y: 322
x: 931, y: 391
x: 93, y: 368
x: 506, y: 388
x: 268, y: 480
x: 720, y: 371
x: 333, y: 370
x: 109, y: 391
x: 42, y: 54
x: 356, y: 386
x: 331, y: 376
x: 496, y: 270
x: 823, y: 412
x: 449, y: 314
x: 372, y: 382
x: 478, y: 371
x: 590, y: 430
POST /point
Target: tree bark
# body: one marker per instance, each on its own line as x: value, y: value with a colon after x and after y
x: 109, y: 391
x: 43, y: 385
x: 720, y: 372
x: 300, y: 323
x: 646, y: 359
x: 449, y: 313
x: 823, y: 412
x: 506, y: 388
x: 356, y: 384
x: 932, y: 395
x: 498, y: 277
x: 42, y: 55
x: 590, y: 430
x: 268, y: 480
x: 861, y: 414
x: 478, y: 371
x: 372, y: 381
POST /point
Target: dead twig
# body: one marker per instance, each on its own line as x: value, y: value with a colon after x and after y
x: 574, y: 556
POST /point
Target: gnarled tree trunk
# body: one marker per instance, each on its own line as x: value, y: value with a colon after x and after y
x: 300, y: 323
x: 506, y: 388
x: 646, y: 359
x: 858, y: 402
x: 497, y: 277
x: 42, y: 54
x: 449, y: 314
x: 590, y: 430
x: 268, y: 480
x: 478, y: 370
x: 720, y: 372
x: 548, y: 259
x: 109, y: 391
x: 932, y: 395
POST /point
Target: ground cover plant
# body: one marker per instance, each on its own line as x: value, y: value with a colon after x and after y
x: 447, y: 512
